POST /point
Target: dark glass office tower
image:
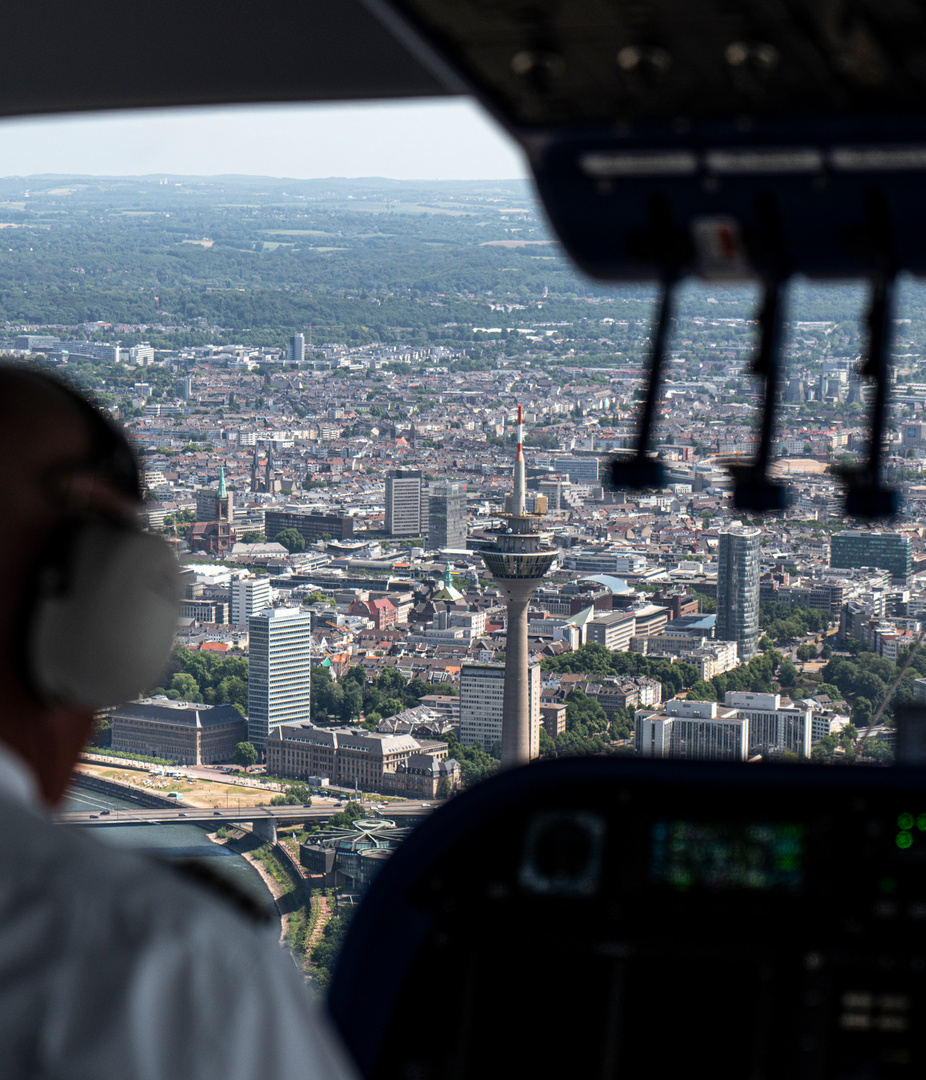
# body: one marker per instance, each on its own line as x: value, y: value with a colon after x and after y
x: 738, y: 590
x: 446, y: 515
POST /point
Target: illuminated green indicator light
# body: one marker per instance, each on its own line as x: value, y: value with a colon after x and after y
x: 904, y: 839
x: 905, y: 821
x: 921, y: 822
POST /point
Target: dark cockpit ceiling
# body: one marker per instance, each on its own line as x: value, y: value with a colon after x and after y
x: 65, y: 55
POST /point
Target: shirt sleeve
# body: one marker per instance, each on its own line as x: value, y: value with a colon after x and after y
x: 206, y: 997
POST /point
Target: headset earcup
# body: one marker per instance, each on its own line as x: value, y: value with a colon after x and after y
x: 104, y: 617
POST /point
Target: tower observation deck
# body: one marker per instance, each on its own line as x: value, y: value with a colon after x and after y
x: 518, y: 559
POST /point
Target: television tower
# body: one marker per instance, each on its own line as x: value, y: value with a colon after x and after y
x: 517, y: 560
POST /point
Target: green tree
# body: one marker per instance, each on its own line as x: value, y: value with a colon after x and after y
x: 232, y: 690
x: 702, y: 691
x: 343, y: 819
x: 185, y: 688
x: 583, y: 714
x: 291, y: 539
x: 326, y: 697
x: 357, y: 674
x: 293, y: 795
x: 245, y: 754
x: 547, y: 745
x: 391, y: 681
x: 254, y: 536
x: 787, y: 673
x: 324, y: 954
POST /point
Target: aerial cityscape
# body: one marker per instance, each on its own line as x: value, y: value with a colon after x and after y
x: 464, y: 535
x: 375, y: 420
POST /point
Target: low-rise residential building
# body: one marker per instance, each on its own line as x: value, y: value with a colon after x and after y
x: 553, y: 717
x: 627, y: 693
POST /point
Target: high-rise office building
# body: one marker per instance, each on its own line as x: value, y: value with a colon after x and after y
x: 581, y: 470
x: 446, y: 515
x: 696, y: 730
x: 774, y: 726
x: 279, y: 671
x: 249, y: 596
x: 553, y: 490
x: 518, y: 560
x: 482, y: 705
x: 311, y: 527
x: 297, y: 349
x: 403, y: 502
x: 738, y: 590
x: 855, y: 548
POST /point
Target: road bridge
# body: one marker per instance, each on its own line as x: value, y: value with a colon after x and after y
x: 264, y: 819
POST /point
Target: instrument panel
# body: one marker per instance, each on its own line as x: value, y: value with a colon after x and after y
x: 608, y: 918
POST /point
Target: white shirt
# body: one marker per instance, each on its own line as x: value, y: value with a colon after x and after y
x: 114, y: 968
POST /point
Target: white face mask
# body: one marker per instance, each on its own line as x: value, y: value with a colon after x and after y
x: 104, y: 613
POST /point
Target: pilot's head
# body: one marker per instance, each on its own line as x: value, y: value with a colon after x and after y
x: 60, y: 459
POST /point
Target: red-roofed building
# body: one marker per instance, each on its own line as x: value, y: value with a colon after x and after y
x: 381, y: 612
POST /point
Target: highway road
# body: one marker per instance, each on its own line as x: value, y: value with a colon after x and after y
x: 189, y: 814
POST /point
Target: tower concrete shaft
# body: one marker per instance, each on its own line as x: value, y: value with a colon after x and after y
x: 518, y: 561
x: 517, y: 737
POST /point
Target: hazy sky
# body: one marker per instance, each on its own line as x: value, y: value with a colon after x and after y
x: 413, y: 140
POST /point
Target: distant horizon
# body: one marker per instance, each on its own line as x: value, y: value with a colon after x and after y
x: 266, y: 176
x: 413, y: 141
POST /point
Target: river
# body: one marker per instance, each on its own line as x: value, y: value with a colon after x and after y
x: 167, y: 841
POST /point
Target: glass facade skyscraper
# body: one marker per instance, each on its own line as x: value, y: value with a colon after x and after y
x: 853, y: 549
x: 738, y: 590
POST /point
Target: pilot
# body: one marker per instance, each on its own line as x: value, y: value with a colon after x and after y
x: 111, y: 965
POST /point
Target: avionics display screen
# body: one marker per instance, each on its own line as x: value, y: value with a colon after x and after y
x: 717, y: 857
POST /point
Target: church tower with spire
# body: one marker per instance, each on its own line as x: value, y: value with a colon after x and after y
x: 258, y: 485
x: 215, y: 512
x: 224, y: 500
x: 268, y: 472
x: 255, y: 465
x: 518, y: 560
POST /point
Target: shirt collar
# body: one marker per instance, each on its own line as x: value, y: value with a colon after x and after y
x: 17, y: 782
